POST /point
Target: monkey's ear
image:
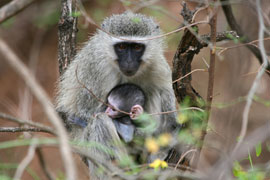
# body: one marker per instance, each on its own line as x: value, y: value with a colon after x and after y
x: 135, y: 111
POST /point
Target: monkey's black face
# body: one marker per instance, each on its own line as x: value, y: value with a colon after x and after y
x: 129, y: 56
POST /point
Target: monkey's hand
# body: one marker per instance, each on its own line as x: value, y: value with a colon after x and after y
x: 136, y: 110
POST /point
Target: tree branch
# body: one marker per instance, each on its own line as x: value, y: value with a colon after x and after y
x: 30, y: 123
x: 43, y: 164
x: 67, y: 29
x: 26, y: 161
x: 234, y: 26
x: 13, y: 8
x: 23, y: 129
x: 211, y: 75
x: 188, y: 47
x: 256, y: 82
x: 43, y: 99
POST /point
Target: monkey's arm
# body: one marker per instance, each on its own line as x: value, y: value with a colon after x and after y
x: 168, y: 120
x: 104, y: 143
x: 174, y: 150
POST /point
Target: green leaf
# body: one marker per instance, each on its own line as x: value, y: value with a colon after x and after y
x: 258, y: 149
x: 5, y: 177
x: 26, y: 142
x: 136, y: 19
x: 6, y: 166
x: 250, y: 160
x: 76, y: 14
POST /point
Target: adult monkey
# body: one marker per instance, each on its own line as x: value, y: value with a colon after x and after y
x: 107, y: 61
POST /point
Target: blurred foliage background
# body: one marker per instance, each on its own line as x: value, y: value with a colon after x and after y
x: 33, y: 36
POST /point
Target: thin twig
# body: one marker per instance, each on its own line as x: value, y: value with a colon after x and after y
x: 97, y: 98
x: 257, y: 79
x: 124, y: 112
x: 234, y: 26
x: 143, y: 4
x: 224, y: 165
x: 210, y: 89
x: 43, y: 99
x: 241, y: 45
x: 23, y: 129
x: 13, y: 8
x: 30, y: 123
x: 213, y: 24
x: 195, y: 70
x: 27, y: 160
x: 206, y: 64
x: 43, y: 164
x: 183, y: 156
x: 90, y: 20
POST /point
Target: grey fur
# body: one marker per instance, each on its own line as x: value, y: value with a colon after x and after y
x: 130, y: 24
x: 97, y: 69
x: 102, y: 132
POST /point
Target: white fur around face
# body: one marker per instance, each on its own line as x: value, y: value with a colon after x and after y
x: 152, y: 47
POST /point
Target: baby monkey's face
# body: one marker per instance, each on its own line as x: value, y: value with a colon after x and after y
x: 133, y: 111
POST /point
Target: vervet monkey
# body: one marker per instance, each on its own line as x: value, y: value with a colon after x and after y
x: 128, y: 98
x: 123, y: 52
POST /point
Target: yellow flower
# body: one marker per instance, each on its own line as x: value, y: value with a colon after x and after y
x: 158, y: 163
x: 182, y: 118
x: 164, y: 139
x: 151, y: 145
x: 163, y: 164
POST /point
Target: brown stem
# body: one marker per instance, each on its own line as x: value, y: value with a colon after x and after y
x: 234, y: 26
x: 67, y: 28
x: 13, y: 60
x: 188, y: 47
x: 211, y: 76
x: 30, y: 123
x: 43, y: 164
x: 23, y: 129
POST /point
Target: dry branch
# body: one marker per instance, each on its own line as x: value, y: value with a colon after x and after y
x: 67, y: 29
x: 188, y: 47
x: 27, y: 160
x: 235, y: 26
x: 43, y: 99
x: 211, y: 75
x: 30, y: 123
x: 259, y: 75
x: 23, y: 129
x: 43, y: 164
x: 13, y: 8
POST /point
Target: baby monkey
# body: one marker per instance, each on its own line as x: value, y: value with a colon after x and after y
x: 128, y: 98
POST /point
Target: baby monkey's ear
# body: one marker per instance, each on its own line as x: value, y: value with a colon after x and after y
x: 135, y: 111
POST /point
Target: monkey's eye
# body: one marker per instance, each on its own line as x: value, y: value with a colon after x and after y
x: 138, y: 47
x: 122, y: 46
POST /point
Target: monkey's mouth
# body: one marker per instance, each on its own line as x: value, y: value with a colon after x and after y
x: 129, y: 72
